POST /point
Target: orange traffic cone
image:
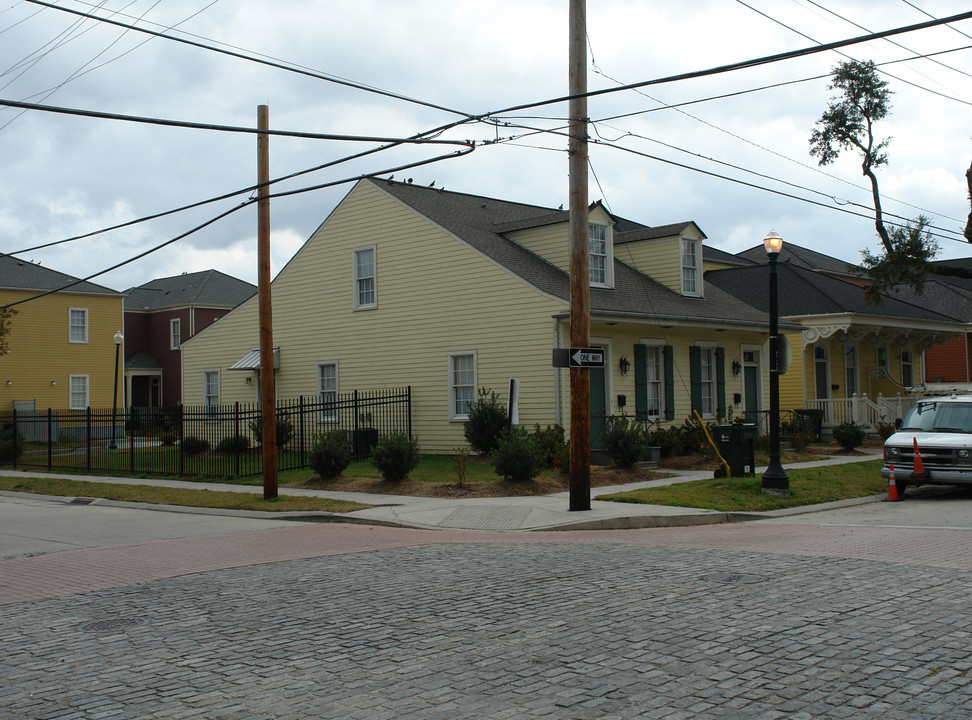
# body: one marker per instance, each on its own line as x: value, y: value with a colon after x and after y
x: 919, y: 473
x: 892, y: 487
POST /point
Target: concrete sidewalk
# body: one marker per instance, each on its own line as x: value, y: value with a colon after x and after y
x: 506, y: 514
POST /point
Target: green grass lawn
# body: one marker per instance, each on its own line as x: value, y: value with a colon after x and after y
x: 174, y: 496
x: 808, y: 486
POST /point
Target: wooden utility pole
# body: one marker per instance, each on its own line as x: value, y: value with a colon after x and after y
x: 580, y: 291
x: 267, y: 413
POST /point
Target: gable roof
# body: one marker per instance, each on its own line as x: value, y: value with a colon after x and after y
x: 210, y: 288
x: 711, y: 254
x: 481, y: 223
x: 802, y: 257
x: 17, y: 274
x: 804, y: 292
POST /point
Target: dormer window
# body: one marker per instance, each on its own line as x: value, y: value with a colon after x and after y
x: 691, y: 267
x: 599, y: 251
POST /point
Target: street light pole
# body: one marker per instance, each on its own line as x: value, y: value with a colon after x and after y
x: 775, y: 480
x: 114, y: 398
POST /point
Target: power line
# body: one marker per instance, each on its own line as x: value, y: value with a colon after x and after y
x: 877, y: 37
x: 896, y: 44
x: 226, y: 213
x: 222, y: 128
x: 241, y: 56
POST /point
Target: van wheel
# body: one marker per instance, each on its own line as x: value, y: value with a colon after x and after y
x: 900, y: 485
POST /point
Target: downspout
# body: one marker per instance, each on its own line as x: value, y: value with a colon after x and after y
x: 558, y: 409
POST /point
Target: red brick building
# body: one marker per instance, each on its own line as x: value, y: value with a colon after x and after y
x: 162, y: 314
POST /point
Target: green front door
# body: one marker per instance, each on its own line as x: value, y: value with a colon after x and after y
x: 598, y: 408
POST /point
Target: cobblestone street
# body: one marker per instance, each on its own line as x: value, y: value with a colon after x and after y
x: 639, y: 626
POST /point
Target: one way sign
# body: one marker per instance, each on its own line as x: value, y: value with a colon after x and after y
x: 578, y: 357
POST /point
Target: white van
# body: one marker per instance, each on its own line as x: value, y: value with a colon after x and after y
x: 941, y: 428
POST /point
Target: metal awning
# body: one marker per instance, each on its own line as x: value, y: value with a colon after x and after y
x: 251, y: 361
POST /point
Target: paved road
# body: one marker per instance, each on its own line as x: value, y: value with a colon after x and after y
x: 826, y: 619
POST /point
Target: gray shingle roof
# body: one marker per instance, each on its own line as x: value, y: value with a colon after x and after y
x: 209, y: 288
x: 806, y: 292
x: 481, y: 221
x: 24, y: 275
x: 798, y: 256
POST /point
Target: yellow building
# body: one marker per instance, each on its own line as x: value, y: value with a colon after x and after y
x: 853, y: 359
x: 446, y: 293
x: 62, y: 348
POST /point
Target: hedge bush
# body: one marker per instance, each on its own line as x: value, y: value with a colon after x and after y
x: 284, y: 430
x: 395, y: 456
x: 518, y: 457
x: 849, y: 435
x: 233, y: 444
x: 554, y: 445
x: 330, y: 454
x: 624, y: 440
x: 487, y: 422
x: 192, y: 445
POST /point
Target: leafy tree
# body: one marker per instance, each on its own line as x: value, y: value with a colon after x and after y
x: 848, y: 124
x: 6, y: 315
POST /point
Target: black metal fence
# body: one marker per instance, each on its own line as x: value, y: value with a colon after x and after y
x: 215, y: 441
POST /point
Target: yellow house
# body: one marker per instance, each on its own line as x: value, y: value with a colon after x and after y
x: 853, y: 360
x: 447, y: 292
x: 62, y: 348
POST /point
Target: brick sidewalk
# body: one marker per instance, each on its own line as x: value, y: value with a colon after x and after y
x: 78, y: 571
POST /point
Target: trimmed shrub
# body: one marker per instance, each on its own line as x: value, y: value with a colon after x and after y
x: 518, y: 457
x: 11, y: 444
x: 192, y: 445
x: 886, y: 430
x: 283, y: 426
x: 487, y: 422
x: 624, y: 440
x: 395, y: 456
x: 849, y: 435
x: 552, y: 442
x: 168, y: 438
x: 233, y: 444
x: 330, y: 454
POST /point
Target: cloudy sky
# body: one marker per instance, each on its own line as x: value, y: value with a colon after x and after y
x: 66, y: 175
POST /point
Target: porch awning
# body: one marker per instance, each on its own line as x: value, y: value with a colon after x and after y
x: 251, y: 361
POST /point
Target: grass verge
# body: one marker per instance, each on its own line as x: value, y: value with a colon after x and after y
x: 175, y: 496
x: 807, y: 487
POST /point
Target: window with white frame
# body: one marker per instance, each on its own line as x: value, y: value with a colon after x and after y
x: 691, y: 267
x: 655, y: 377
x: 327, y: 390
x: 175, y: 334
x: 462, y: 384
x: 211, y: 389
x: 707, y: 380
x: 78, y: 325
x: 599, y: 255
x: 79, y: 392
x: 365, y: 290
x: 907, y: 369
x: 850, y: 370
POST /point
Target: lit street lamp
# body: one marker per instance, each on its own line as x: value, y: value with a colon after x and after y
x: 114, y: 398
x: 775, y: 480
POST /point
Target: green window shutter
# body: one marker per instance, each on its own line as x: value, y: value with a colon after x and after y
x: 720, y: 357
x: 641, y: 381
x: 695, y: 365
x: 668, y: 357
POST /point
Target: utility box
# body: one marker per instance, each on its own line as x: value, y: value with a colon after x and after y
x: 737, y: 445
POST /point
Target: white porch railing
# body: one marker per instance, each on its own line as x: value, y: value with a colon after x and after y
x: 861, y: 409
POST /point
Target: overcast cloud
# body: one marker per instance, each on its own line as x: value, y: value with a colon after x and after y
x: 66, y: 175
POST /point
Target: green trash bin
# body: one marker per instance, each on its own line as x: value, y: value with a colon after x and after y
x: 737, y: 445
